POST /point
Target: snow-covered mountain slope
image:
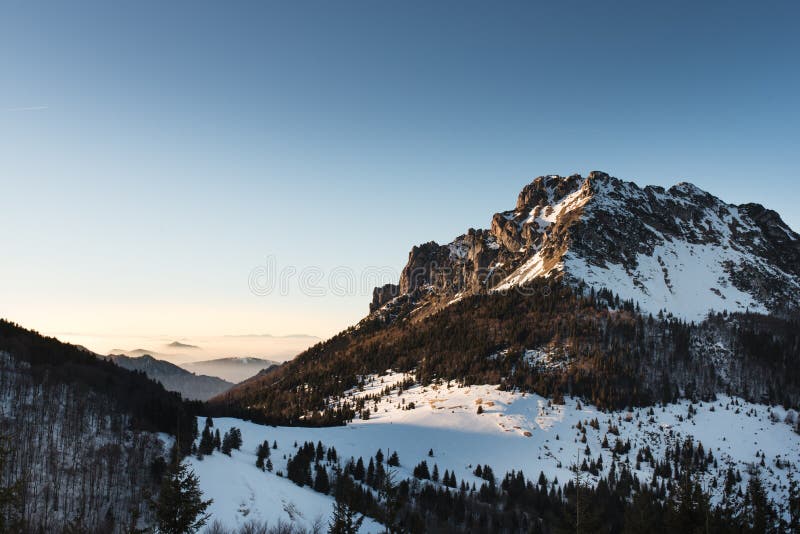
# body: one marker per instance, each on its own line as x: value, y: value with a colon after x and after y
x: 243, y: 493
x: 681, y: 250
x: 515, y: 431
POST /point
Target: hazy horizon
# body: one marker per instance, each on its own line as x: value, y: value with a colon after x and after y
x: 265, y: 346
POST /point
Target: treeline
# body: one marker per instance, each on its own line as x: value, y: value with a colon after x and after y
x: 148, y: 405
x: 616, y: 357
x: 70, y: 461
x: 81, y: 453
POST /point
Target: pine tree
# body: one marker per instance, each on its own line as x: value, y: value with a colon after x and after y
x: 641, y: 515
x: 262, y: 453
x: 380, y: 476
x: 206, y: 445
x: 582, y: 516
x: 421, y: 471
x: 321, y: 481
x: 344, y: 517
x: 370, y: 478
x: 359, y: 471
x: 391, y: 503
x: 688, y: 506
x: 180, y: 507
x: 760, y: 514
x: 234, y: 437
x: 227, y: 444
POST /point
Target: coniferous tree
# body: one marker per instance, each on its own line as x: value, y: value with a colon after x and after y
x: 380, y: 476
x: 390, y: 494
x: 262, y: 453
x: 689, y: 505
x: 321, y: 481
x: 206, y: 445
x: 227, y: 444
x: 238, y: 437
x: 332, y: 456
x: 359, y: 471
x: 421, y: 471
x: 641, y: 516
x: 370, y: 477
x: 760, y: 515
x: 582, y: 515
x: 344, y: 520
x: 180, y: 507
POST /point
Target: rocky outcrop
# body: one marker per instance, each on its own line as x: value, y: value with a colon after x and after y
x: 682, y: 250
x: 383, y: 294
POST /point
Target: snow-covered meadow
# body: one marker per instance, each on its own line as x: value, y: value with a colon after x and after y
x: 515, y: 431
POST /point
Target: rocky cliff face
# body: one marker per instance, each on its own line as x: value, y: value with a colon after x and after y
x: 680, y: 250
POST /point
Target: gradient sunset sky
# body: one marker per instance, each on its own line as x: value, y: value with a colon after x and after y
x: 152, y: 154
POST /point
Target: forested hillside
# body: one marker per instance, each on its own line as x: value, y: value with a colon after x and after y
x: 85, y: 443
x: 551, y: 339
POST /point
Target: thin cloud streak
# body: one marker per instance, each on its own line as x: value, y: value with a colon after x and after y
x: 29, y: 108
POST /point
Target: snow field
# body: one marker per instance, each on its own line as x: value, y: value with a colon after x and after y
x: 516, y: 431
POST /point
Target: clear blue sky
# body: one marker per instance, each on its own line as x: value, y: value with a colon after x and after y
x: 153, y: 153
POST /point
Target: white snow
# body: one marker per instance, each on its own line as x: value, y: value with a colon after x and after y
x: 515, y: 431
x: 544, y: 216
x: 241, y: 492
x: 682, y: 276
x: 532, y: 268
x: 686, y: 279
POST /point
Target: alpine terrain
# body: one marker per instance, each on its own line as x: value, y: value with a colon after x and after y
x: 603, y: 358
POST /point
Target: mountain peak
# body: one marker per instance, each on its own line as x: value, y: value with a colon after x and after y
x: 680, y: 250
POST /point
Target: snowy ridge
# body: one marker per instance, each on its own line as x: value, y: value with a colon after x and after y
x: 683, y: 268
x: 681, y: 251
